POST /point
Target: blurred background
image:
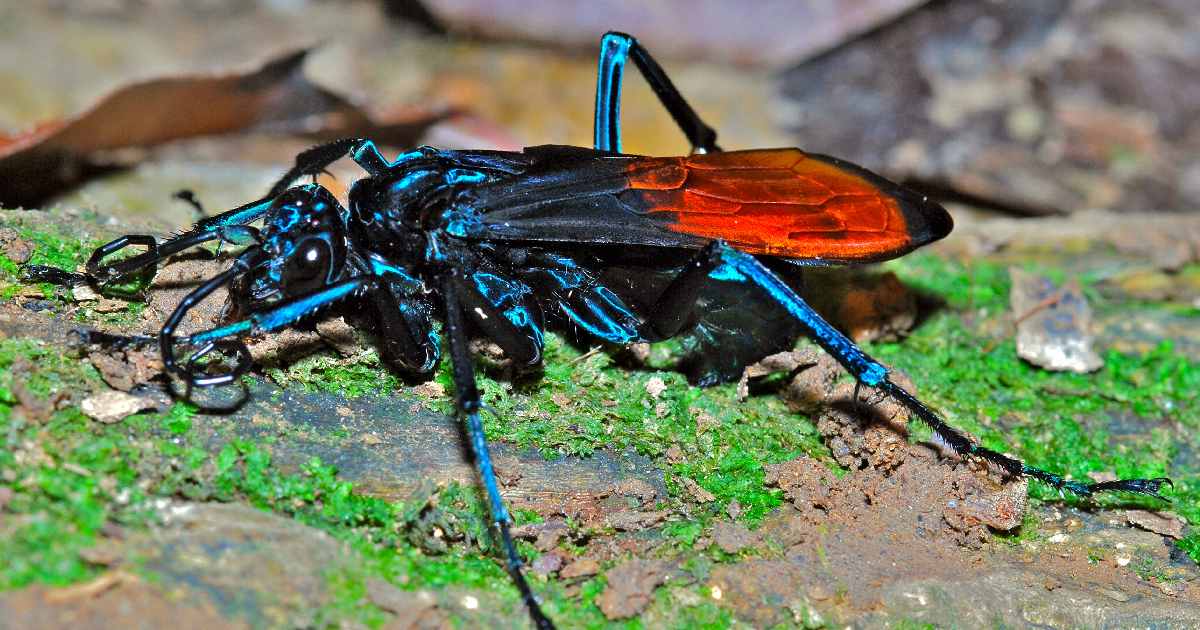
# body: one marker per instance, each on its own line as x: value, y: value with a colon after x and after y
x: 1026, y: 107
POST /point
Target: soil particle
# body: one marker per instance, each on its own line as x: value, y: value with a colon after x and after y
x: 810, y: 390
x: 732, y: 537
x: 901, y: 511
x: 697, y: 491
x: 84, y: 293
x: 123, y: 370
x: 282, y: 347
x: 429, y: 389
x: 631, y: 586
x: 507, y: 469
x: 638, y: 489
x: 655, y: 387
x: 339, y: 335
x: 780, y: 362
x: 863, y: 433
x: 1053, y: 324
x: 548, y: 563
x: 582, y: 567
x: 1164, y: 523
x: 18, y: 250
x: 106, y: 552
x: 546, y: 535
x: 631, y: 521
x: 411, y: 609
x: 760, y: 592
x: 176, y: 279
x: 30, y: 405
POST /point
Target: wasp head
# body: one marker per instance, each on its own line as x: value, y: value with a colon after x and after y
x: 304, y: 239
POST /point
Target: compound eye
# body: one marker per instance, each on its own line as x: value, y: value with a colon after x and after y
x: 308, y: 267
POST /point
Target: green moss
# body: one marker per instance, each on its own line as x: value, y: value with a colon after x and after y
x: 71, y: 476
x: 56, y: 247
x: 1119, y: 420
x: 352, y: 377
x: 65, y: 473
x: 583, y: 402
x: 51, y: 246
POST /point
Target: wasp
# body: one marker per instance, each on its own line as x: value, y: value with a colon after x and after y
x: 592, y: 242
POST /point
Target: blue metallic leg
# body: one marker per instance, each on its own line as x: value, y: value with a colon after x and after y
x: 729, y: 261
x: 227, y: 227
x: 469, y: 402
x: 224, y: 338
x: 615, y: 50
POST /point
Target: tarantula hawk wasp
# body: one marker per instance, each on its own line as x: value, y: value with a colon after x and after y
x: 604, y: 245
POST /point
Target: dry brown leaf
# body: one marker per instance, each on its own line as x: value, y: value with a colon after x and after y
x: 276, y: 98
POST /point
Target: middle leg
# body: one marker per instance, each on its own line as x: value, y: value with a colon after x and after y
x: 471, y: 404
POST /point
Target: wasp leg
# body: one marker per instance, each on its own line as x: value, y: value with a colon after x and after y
x: 505, y: 311
x: 110, y: 341
x: 406, y: 330
x: 227, y: 227
x: 212, y: 339
x: 617, y: 48
x: 469, y: 402
x: 730, y: 263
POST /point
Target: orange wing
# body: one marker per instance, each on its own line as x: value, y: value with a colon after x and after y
x: 784, y: 202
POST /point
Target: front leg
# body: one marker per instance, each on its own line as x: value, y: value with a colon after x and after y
x: 228, y: 227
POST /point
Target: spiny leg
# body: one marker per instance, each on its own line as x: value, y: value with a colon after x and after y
x: 470, y: 403
x: 866, y: 370
x: 226, y: 227
x: 617, y: 48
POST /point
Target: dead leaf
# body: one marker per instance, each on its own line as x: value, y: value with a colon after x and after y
x: 56, y: 155
x: 113, y: 406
